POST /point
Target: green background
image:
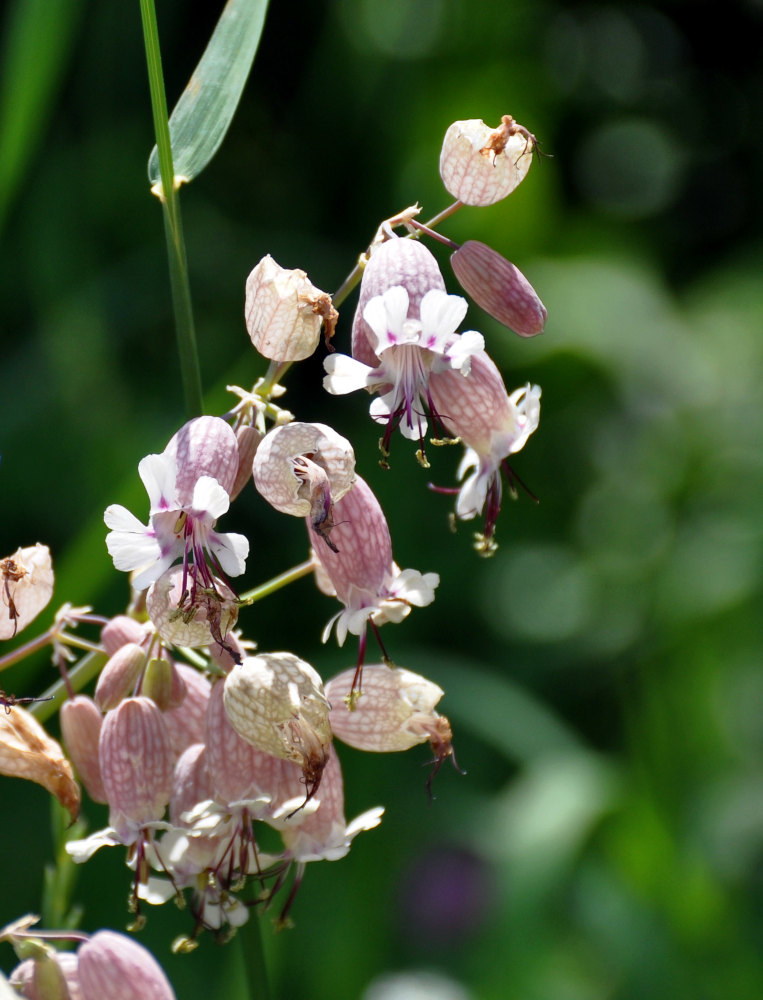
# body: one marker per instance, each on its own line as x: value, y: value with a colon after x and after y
x: 602, y: 671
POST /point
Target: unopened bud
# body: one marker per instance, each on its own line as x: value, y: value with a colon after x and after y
x: 81, y: 724
x: 480, y: 165
x: 248, y: 439
x: 284, y: 312
x: 499, y: 288
x: 186, y: 723
x: 120, y: 630
x: 396, y: 712
x: 119, y: 674
x: 51, y: 976
x: 276, y: 702
x: 26, y: 586
x: 136, y: 762
x: 162, y: 683
x: 114, y: 967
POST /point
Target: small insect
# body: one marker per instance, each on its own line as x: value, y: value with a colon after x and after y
x: 9, y: 701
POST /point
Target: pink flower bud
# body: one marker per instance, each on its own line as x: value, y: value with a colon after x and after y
x: 81, y: 724
x: 302, y: 469
x: 186, y: 723
x: 396, y: 712
x: 284, y: 312
x: 26, y: 586
x: 119, y: 675
x: 499, y: 288
x: 115, y: 967
x: 54, y: 976
x: 204, y: 446
x: 480, y: 165
x: 121, y: 630
x: 136, y: 764
x: 275, y: 701
x: 248, y: 440
x: 398, y: 261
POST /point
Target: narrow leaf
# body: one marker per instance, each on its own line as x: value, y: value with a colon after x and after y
x: 206, y: 107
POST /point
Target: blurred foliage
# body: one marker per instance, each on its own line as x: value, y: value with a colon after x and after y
x: 602, y: 671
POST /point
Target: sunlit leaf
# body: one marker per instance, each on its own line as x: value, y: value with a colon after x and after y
x: 206, y: 107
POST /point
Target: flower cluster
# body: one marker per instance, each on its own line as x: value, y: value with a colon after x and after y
x: 195, y: 739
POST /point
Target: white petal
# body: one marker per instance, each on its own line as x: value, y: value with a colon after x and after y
x: 209, y: 498
x: 441, y: 313
x: 345, y: 374
x: 83, y: 850
x: 158, y: 474
x: 231, y: 551
x: 131, y: 545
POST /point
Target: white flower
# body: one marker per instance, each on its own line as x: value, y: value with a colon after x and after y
x: 409, y: 350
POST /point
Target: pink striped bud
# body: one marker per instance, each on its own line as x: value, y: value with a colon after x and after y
x: 115, y: 967
x: 396, y: 712
x: 26, y: 586
x: 136, y: 764
x: 248, y: 440
x: 398, y: 261
x: 302, y: 469
x: 204, y: 446
x: 81, y: 724
x: 480, y: 165
x: 119, y: 676
x: 284, y: 312
x: 52, y: 976
x: 275, y: 701
x: 499, y: 288
x: 186, y: 723
x: 121, y: 630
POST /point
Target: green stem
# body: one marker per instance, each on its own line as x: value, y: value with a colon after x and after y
x: 86, y: 670
x: 249, y: 939
x: 266, y: 589
x: 173, y: 227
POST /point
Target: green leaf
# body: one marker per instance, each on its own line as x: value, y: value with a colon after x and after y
x: 206, y: 107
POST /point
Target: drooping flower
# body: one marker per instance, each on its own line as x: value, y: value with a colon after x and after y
x: 492, y: 425
x: 361, y: 571
x: 409, y: 352
x: 302, y: 469
x: 285, y: 311
x: 188, y: 487
x: 275, y: 701
x: 480, y: 165
x: 26, y: 586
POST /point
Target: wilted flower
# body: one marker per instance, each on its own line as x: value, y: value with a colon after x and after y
x: 499, y: 288
x: 26, y: 751
x: 188, y: 488
x: 26, y: 586
x: 284, y: 312
x: 410, y: 350
x: 275, y: 701
x: 303, y: 469
x: 480, y: 165
x: 192, y: 617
